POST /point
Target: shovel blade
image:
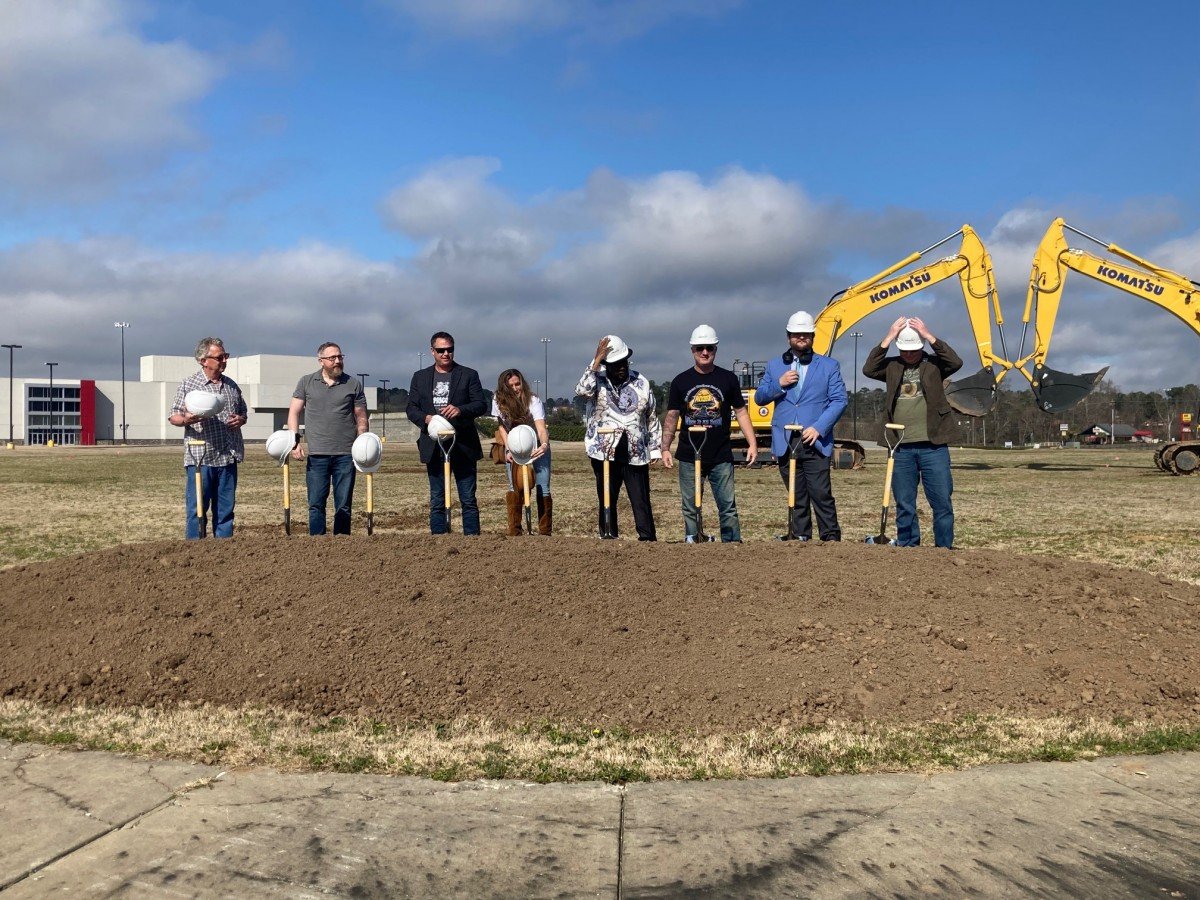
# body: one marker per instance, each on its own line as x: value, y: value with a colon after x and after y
x: 1055, y: 391
x: 974, y: 395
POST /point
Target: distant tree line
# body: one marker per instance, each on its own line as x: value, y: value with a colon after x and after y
x: 1015, y: 417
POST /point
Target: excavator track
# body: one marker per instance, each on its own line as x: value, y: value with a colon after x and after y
x: 1179, y: 458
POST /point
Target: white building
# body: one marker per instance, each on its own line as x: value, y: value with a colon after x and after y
x: 91, y: 412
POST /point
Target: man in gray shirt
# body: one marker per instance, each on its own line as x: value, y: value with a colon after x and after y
x: 335, y: 413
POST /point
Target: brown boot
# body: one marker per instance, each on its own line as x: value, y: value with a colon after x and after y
x: 513, y: 500
x: 545, y: 514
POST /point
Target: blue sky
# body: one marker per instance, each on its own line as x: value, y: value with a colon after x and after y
x: 369, y: 172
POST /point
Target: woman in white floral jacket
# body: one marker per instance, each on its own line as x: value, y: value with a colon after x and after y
x: 618, y: 397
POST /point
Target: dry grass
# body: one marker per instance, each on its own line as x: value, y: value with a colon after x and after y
x: 555, y: 752
x: 1105, y: 505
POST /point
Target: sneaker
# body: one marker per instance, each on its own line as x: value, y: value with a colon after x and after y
x: 784, y: 537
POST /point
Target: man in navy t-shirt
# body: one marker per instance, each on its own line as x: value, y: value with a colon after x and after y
x: 706, y: 396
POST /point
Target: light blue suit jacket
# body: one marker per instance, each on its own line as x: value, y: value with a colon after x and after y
x: 821, y: 403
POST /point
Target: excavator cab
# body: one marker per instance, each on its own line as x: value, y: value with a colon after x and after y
x: 974, y: 395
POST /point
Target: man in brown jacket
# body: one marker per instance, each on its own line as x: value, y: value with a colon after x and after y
x: 915, y: 398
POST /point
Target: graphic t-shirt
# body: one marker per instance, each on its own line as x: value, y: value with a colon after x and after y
x: 441, y: 389
x: 706, y: 400
x: 911, y: 407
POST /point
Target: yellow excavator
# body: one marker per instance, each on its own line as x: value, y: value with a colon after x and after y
x: 1178, y: 295
x: 972, y: 396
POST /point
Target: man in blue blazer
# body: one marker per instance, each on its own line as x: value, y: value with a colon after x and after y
x: 453, y: 391
x: 807, y: 389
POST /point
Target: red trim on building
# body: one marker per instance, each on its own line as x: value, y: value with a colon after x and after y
x: 87, y: 413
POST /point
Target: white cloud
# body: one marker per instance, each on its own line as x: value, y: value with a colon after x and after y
x: 593, y: 20
x: 646, y: 258
x: 84, y: 97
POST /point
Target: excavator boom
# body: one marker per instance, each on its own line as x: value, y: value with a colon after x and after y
x: 1178, y: 295
x: 973, y: 396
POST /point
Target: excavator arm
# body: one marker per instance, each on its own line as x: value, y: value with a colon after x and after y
x: 1173, y: 292
x: 974, y: 395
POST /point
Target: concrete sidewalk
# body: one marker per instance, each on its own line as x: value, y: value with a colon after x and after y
x: 98, y: 824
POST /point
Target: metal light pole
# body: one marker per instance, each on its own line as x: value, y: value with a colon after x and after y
x: 546, y: 348
x: 420, y: 359
x: 51, y: 365
x: 124, y: 427
x: 537, y: 387
x: 383, y: 411
x: 856, y: 335
x: 11, y: 348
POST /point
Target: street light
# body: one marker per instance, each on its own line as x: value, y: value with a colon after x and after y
x: 50, y: 443
x: 124, y: 427
x: 546, y: 348
x: 11, y: 348
x: 383, y: 411
x: 856, y: 335
x: 420, y: 360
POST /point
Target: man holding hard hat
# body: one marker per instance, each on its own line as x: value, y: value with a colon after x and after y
x: 455, y: 393
x: 916, y: 398
x: 210, y: 409
x: 335, y: 413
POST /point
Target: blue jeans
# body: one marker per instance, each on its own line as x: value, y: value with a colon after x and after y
x: 319, y: 474
x: 462, y: 470
x: 720, y: 478
x: 541, y: 474
x: 218, y: 484
x: 929, y: 464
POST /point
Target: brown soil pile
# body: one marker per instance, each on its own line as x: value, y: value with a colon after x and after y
x: 647, y: 636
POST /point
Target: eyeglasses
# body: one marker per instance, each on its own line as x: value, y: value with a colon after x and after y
x: 221, y: 358
x: 449, y: 349
x: 798, y: 336
x: 333, y: 356
x: 704, y: 348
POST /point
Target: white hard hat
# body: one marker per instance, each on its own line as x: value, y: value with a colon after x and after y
x: 908, y: 339
x: 367, y: 451
x: 280, y: 444
x: 801, y: 323
x: 438, y: 424
x: 204, y: 404
x: 522, y: 441
x: 617, y: 349
x: 703, y: 334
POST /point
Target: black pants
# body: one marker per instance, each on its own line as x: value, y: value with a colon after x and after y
x: 812, y: 485
x: 637, y: 482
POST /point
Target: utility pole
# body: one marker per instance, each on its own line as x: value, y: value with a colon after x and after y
x: 50, y: 443
x: 856, y: 335
x: 546, y: 348
x: 383, y: 411
x: 124, y: 427
x: 10, y: 348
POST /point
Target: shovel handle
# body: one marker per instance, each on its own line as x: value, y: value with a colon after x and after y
x: 370, y: 503
x: 887, y: 483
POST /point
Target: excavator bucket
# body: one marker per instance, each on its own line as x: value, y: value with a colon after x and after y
x: 974, y: 395
x: 1055, y: 391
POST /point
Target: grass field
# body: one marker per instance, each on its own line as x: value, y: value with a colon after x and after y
x: 1103, y: 505
x: 1106, y: 505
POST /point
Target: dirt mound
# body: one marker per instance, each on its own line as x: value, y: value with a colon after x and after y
x: 647, y: 636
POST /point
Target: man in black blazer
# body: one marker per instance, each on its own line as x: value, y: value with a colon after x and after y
x: 454, y: 392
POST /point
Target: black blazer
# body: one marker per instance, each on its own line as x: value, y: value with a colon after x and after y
x: 466, y: 393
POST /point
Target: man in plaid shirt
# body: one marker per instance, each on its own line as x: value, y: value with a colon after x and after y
x: 214, y: 444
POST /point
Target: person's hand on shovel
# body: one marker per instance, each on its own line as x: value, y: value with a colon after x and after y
x: 298, y: 451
